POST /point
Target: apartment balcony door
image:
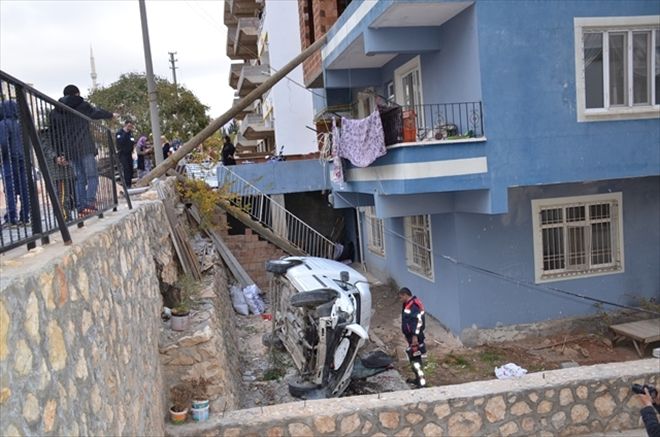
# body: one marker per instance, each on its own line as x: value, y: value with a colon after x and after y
x: 408, y: 87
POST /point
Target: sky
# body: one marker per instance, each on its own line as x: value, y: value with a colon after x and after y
x: 46, y: 43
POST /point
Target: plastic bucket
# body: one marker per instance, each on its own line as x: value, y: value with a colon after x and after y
x: 200, y: 403
x: 179, y: 323
x: 178, y: 417
x: 200, y: 414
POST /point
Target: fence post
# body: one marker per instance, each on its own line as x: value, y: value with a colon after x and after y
x: 30, y: 131
x: 113, y: 162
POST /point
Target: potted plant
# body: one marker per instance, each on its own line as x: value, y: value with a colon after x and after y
x: 200, y: 400
x: 180, y: 396
x: 180, y: 316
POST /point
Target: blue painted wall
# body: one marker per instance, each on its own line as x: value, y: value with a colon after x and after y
x: 284, y: 177
x: 528, y: 87
x: 460, y: 297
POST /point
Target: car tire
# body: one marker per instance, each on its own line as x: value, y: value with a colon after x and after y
x: 303, y: 389
x: 280, y: 266
x: 313, y: 298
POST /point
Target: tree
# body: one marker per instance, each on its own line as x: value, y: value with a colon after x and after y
x: 180, y: 117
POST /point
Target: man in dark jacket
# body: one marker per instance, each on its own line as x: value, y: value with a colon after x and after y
x: 125, y: 144
x: 83, y: 148
x: 413, y: 322
x: 14, y: 176
x: 228, y: 150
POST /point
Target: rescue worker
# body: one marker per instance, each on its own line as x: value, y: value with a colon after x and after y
x: 413, y: 323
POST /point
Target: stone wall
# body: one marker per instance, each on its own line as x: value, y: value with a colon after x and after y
x: 564, y: 402
x: 79, y: 330
x: 208, y: 348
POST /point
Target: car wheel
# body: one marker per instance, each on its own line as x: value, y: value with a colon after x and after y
x: 313, y: 298
x: 304, y: 389
x: 280, y: 266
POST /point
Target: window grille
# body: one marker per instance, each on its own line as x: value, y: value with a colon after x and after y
x: 375, y: 234
x: 419, y: 255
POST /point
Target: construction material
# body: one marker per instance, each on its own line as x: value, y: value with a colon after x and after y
x: 641, y: 332
x: 184, y: 251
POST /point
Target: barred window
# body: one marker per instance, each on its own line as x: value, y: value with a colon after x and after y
x: 578, y: 236
x: 419, y: 254
x: 375, y: 232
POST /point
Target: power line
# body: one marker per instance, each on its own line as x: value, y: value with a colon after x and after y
x: 519, y: 282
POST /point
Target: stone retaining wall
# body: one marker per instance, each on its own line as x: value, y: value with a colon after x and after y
x: 564, y: 402
x: 79, y: 330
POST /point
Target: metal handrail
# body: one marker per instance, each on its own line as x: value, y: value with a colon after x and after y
x: 274, y: 216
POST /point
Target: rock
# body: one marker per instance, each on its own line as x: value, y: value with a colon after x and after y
x: 558, y: 420
x: 389, y: 420
x: 520, y: 408
x: 432, y: 430
x: 325, y: 424
x: 31, y: 323
x: 508, y: 429
x: 565, y: 397
x: 198, y: 337
x: 405, y: 432
x: 605, y: 405
x: 5, y: 393
x: 300, y: 430
x: 56, y: 349
x: 4, y: 331
x: 441, y: 411
x: 465, y: 423
x: 495, y: 409
x: 544, y: 407
x: 349, y: 424
x: 23, y: 358
x: 528, y: 425
x: 413, y: 418
x: 582, y: 392
x: 31, y: 408
x: 49, y: 415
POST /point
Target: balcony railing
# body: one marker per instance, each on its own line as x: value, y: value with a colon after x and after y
x: 433, y: 122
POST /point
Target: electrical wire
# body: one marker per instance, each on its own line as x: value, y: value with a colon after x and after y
x: 519, y: 282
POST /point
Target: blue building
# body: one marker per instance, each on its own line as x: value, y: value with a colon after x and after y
x: 526, y: 158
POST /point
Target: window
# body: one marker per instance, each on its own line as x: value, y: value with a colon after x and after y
x: 408, y: 80
x: 419, y: 255
x: 375, y: 232
x: 577, y: 236
x: 390, y: 92
x: 617, y: 62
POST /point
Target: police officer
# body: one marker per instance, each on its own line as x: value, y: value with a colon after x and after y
x: 413, y: 323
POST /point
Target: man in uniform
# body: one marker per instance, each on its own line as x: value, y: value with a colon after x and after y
x: 413, y: 323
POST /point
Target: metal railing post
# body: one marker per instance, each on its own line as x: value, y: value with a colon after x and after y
x: 113, y: 163
x: 31, y: 131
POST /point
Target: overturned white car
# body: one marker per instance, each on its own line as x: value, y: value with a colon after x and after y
x: 321, y: 314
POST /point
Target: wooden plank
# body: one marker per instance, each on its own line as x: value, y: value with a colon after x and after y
x: 646, y: 331
x: 234, y: 266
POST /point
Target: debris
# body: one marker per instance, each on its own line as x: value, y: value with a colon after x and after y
x: 509, y: 371
x: 253, y: 299
x: 238, y: 300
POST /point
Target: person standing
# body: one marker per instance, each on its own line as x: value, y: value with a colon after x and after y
x: 167, y: 149
x: 413, y: 323
x: 144, y: 152
x: 228, y: 151
x: 650, y: 410
x: 83, y: 148
x: 14, y: 176
x: 125, y: 145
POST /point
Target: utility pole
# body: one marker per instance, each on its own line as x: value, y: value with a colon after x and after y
x: 173, y: 67
x: 151, y: 85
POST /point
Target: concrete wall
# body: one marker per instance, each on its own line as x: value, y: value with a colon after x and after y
x: 559, y: 402
x: 79, y: 330
x: 292, y: 102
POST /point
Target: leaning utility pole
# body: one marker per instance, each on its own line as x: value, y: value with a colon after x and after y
x: 151, y: 86
x: 173, y: 67
x: 216, y: 124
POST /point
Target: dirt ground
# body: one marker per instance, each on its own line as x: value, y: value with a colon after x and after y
x: 265, y: 371
x: 449, y: 362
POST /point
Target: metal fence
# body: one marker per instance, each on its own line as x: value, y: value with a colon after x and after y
x: 58, y: 166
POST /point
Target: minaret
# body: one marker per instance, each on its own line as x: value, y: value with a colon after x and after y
x: 93, y: 65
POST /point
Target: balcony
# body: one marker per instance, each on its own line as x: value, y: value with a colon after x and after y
x: 251, y: 77
x: 250, y: 109
x: 234, y: 74
x: 254, y: 127
x: 229, y: 19
x: 246, y: 38
x: 244, y: 8
x: 437, y: 123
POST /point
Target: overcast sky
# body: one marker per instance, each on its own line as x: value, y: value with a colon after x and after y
x: 47, y: 43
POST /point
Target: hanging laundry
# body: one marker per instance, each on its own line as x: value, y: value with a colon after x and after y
x: 337, y: 174
x: 362, y: 141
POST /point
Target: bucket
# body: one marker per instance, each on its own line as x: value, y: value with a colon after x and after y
x: 200, y: 403
x: 200, y: 414
x: 179, y: 323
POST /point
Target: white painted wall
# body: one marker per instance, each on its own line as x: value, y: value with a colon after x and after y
x: 292, y: 103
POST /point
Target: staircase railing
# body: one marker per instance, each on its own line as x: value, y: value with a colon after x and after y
x: 274, y: 216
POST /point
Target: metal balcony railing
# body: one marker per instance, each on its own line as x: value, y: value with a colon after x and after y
x: 58, y: 166
x: 272, y: 215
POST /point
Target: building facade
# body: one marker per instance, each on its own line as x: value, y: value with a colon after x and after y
x: 525, y: 166
x: 262, y: 39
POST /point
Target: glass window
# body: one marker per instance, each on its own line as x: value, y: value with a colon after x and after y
x: 641, y: 67
x: 618, y: 70
x: 593, y: 69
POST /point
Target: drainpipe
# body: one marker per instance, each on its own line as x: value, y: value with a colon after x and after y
x: 359, y: 235
x: 219, y: 122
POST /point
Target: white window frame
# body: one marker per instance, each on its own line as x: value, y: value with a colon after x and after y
x: 407, y: 68
x: 414, y: 267
x: 616, y: 220
x: 375, y: 232
x: 632, y: 111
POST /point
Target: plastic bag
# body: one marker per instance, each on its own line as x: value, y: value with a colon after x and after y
x: 253, y: 299
x: 238, y: 300
x: 509, y: 371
